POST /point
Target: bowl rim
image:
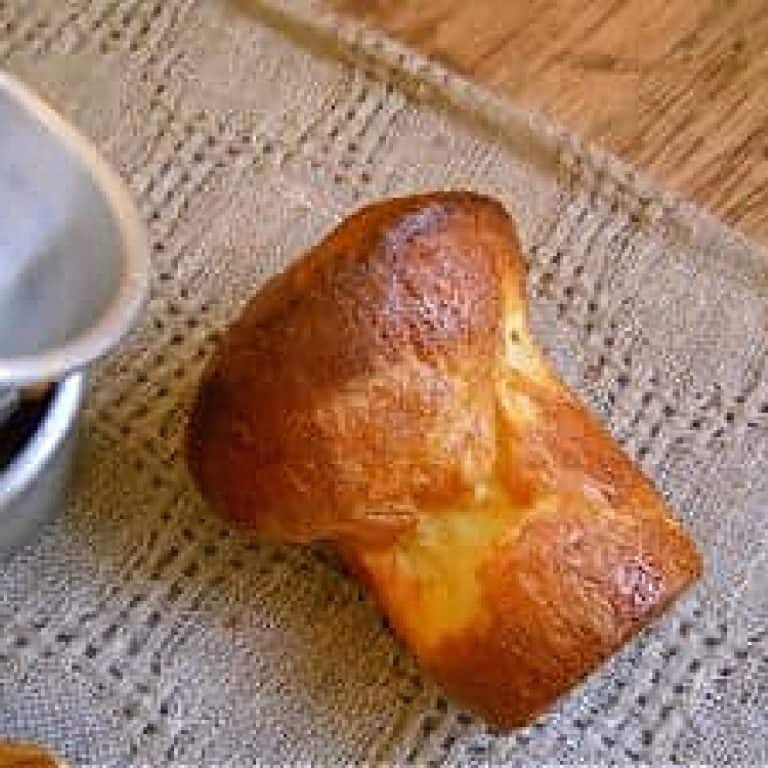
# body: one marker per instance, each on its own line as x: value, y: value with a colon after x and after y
x: 48, y: 436
x: 128, y: 301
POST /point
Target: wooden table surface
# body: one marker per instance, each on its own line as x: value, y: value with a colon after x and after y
x: 677, y: 87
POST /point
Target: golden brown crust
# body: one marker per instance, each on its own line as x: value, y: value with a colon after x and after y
x: 23, y: 755
x: 385, y: 394
x: 572, y: 588
x: 594, y: 558
x: 311, y: 421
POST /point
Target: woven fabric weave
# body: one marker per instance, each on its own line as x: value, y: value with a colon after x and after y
x: 140, y: 629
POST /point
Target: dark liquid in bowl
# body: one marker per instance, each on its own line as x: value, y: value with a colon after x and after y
x: 21, y: 425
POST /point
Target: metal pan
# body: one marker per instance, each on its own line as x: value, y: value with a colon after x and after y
x: 74, y: 273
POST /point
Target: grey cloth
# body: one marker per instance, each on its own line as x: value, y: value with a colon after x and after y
x: 141, y: 630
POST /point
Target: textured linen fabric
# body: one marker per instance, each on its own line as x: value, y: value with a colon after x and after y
x: 140, y: 629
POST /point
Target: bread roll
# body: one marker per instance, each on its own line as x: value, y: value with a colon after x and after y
x: 24, y: 755
x: 385, y: 395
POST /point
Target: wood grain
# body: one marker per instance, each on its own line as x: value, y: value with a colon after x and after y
x: 677, y: 87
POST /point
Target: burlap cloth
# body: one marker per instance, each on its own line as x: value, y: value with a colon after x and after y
x: 141, y: 630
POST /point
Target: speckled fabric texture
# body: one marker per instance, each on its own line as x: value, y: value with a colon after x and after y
x: 140, y: 629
